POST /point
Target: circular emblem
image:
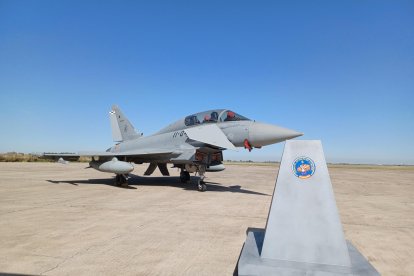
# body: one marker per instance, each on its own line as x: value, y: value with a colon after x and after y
x: 303, y: 167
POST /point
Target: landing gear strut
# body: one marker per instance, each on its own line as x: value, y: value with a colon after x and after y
x: 121, y: 180
x: 201, y: 185
x: 184, y: 176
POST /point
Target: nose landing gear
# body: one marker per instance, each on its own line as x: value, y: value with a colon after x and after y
x: 201, y: 185
x: 201, y: 170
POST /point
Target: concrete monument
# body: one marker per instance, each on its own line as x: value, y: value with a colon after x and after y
x: 303, y: 234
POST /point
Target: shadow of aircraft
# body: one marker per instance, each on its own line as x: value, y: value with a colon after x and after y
x: 100, y: 181
x: 170, y: 181
x: 14, y: 274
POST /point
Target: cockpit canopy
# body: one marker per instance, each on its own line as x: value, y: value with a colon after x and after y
x: 213, y: 116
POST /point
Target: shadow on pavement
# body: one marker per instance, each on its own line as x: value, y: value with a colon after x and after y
x: 170, y: 181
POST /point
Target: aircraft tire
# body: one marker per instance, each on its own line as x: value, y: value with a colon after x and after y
x: 118, y: 180
x: 201, y: 187
x: 123, y: 181
x: 183, y: 177
x: 187, y: 176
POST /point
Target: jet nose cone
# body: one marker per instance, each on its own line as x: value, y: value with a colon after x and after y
x: 264, y: 134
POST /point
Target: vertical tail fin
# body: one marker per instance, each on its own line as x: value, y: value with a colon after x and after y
x: 122, y: 129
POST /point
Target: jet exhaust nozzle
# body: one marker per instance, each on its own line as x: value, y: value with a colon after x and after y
x: 112, y: 166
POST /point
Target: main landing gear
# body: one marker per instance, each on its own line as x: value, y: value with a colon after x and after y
x: 121, y: 180
x: 184, y: 176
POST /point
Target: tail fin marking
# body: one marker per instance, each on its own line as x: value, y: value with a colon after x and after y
x: 122, y: 129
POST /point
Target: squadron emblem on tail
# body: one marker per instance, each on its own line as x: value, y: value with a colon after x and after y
x: 303, y: 167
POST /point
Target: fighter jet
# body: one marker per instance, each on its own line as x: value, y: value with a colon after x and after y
x: 193, y: 144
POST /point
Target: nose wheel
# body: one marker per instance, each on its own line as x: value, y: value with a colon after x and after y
x: 201, y: 186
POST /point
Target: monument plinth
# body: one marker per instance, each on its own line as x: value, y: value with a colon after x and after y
x: 303, y: 234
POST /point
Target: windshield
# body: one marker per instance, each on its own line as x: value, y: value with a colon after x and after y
x: 229, y: 115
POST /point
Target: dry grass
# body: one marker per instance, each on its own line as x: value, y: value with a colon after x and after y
x: 20, y: 157
x: 251, y: 163
x: 27, y: 157
x: 343, y: 166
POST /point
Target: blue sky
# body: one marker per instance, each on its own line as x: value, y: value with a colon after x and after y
x: 339, y: 71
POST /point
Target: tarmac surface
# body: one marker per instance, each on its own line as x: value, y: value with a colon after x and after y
x: 66, y: 220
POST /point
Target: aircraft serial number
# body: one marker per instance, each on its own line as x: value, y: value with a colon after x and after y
x: 179, y: 134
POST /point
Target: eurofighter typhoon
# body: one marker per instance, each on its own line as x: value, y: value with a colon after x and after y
x: 193, y: 144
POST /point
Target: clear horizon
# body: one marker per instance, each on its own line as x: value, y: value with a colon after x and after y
x: 341, y: 72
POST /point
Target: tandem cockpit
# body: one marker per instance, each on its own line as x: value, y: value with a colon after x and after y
x: 213, y: 116
x: 205, y: 117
